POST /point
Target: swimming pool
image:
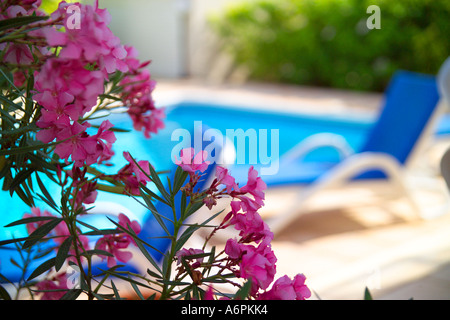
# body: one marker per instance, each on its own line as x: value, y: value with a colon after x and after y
x: 292, y: 129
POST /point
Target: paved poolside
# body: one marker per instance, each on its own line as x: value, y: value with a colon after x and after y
x: 349, y: 238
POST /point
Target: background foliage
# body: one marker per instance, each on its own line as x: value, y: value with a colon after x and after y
x: 327, y: 42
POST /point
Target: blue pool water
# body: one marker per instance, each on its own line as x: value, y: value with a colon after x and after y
x: 292, y: 129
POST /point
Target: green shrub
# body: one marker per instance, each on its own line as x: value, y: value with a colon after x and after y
x: 327, y: 42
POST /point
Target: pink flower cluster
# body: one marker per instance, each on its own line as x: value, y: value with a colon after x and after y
x: 53, y: 288
x: 137, y: 94
x: 250, y: 256
x: 286, y: 289
x: 116, y: 243
x: 70, y: 82
x: 133, y: 175
x: 112, y: 243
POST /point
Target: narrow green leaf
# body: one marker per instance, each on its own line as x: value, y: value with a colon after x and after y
x: 116, y: 292
x: 194, y: 208
x: 367, y: 295
x: 139, y: 243
x: 72, y: 294
x: 33, y: 147
x: 20, y: 178
x: 9, y: 241
x: 156, y: 180
x: 152, y: 297
x: 156, y: 215
x: 183, y: 205
x: 190, y: 230
x: 98, y: 252
x: 45, y: 266
x: 44, y: 190
x: 13, y: 105
x: 29, y: 220
x: 41, y: 232
x: 24, y: 196
x: 243, y: 292
x: 20, y: 21
x: 138, y: 292
x: 63, y: 252
x: 4, y: 294
x: 154, y: 195
x: 101, y: 232
x: 179, y: 179
x: 153, y: 274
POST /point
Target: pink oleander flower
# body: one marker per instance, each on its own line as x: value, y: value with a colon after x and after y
x: 255, y: 263
x: 105, y: 139
x: 137, y: 96
x: 137, y: 90
x: 209, y: 293
x: 58, y: 283
x: 132, y: 175
x: 76, y: 143
x: 93, y: 42
x: 189, y: 252
x: 255, y: 186
x: 116, y: 243
x: 125, y: 222
x: 18, y: 54
x: 190, y: 163
x: 62, y: 76
x: 250, y: 224
x: 132, y: 61
x: 149, y: 122
x: 286, y: 289
x: 223, y: 177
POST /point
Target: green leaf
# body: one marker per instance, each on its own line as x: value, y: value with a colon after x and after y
x: 179, y: 179
x: 13, y: 105
x: 138, y: 292
x: 44, y: 190
x: 191, y: 229
x: 155, y: 213
x: 45, y: 266
x: 195, y: 206
x: 156, y: 180
x: 102, y: 232
x: 367, y: 295
x: 20, y: 178
x: 25, y: 196
x: 116, y: 292
x: 41, y: 232
x: 29, y: 220
x: 5, y: 242
x: 153, y: 195
x: 243, y: 292
x: 4, y: 294
x: 63, y: 252
x: 153, y: 274
x: 72, y: 294
x: 97, y: 252
x: 20, y: 21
